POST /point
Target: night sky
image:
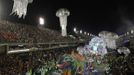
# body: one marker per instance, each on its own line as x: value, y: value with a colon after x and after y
x: 90, y: 15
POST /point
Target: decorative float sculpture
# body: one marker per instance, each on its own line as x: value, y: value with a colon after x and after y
x: 20, y: 7
x: 109, y: 38
x: 124, y: 50
x: 62, y: 14
x: 98, y: 45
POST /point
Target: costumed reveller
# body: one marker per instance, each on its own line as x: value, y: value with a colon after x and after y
x: 72, y: 63
x: 79, y: 62
x: 66, y: 63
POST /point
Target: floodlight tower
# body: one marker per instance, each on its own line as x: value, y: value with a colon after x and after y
x: 62, y: 14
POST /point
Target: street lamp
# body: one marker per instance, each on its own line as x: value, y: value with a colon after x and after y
x: 62, y: 14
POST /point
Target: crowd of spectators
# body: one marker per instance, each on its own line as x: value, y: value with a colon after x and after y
x: 21, y: 33
x: 20, y: 64
x: 120, y: 64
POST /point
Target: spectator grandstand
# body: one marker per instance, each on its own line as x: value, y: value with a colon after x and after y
x: 19, y: 33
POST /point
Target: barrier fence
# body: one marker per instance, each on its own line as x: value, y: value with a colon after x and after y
x: 11, y: 48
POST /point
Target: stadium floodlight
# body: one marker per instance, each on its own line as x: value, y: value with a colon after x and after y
x: 85, y: 33
x: 132, y: 31
x: 75, y: 30
x: 88, y: 34
x: 41, y: 21
x: 80, y: 31
x: 62, y: 14
x: 20, y: 7
x: 127, y: 33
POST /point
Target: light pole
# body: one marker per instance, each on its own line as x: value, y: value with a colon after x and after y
x: 62, y: 14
